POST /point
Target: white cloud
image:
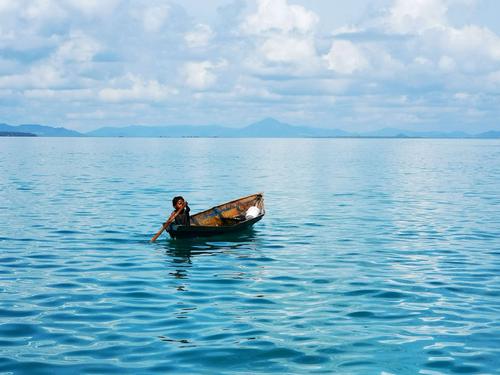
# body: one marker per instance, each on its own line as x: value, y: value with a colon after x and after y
x: 8, y: 94
x: 462, y: 96
x: 469, y: 50
x: 471, y: 40
x: 94, y: 7
x: 283, y: 37
x: 42, y: 9
x: 287, y: 49
x: 136, y: 89
x: 45, y: 76
x: 493, y: 79
x: 199, y: 37
x: 249, y: 90
x: 59, y: 69
x: 77, y: 48
x: 41, y: 76
x: 30, y: 15
x: 200, y: 75
x: 277, y: 15
x: 154, y: 17
x: 431, y: 47
x: 64, y: 94
x: 414, y: 16
x: 423, y: 61
x: 348, y: 29
x: 8, y: 66
x: 345, y: 57
x: 7, y: 5
x: 446, y: 64
x: 471, y: 47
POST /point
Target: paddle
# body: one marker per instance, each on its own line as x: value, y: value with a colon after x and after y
x: 170, y: 219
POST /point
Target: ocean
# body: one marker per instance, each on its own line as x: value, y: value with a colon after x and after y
x: 376, y: 256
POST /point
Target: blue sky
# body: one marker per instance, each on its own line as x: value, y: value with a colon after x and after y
x: 358, y: 65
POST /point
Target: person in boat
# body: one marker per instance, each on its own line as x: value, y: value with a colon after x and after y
x: 183, y: 217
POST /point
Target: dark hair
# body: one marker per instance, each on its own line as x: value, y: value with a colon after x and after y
x: 176, y: 199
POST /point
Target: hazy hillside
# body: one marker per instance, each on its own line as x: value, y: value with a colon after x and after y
x: 40, y: 130
x: 267, y: 128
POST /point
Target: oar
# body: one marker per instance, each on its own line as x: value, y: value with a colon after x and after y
x: 165, y: 226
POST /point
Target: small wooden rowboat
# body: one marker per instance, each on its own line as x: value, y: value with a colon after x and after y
x: 226, y: 218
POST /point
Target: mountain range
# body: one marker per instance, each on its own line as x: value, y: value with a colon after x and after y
x: 40, y: 130
x: 267, y: 128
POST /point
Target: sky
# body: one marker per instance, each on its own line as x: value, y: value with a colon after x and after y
x: 358, y: 66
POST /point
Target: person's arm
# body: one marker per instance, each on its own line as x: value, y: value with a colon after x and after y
x: 188, y: 220
x: 171, y: 215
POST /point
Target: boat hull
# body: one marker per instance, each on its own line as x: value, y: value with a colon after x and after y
x: 226, y: 218
x: 208, y: 231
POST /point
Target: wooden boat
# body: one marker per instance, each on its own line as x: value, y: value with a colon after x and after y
x: 225, y: 218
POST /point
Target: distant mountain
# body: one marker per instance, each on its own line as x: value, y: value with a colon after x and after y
x: 16, y: 134
x: 386, y: 132
x: 399, y: 133
x: 272, y: 128
x: 490, y: 134
x: 40, y: 130
x: 267, y: 128
x: 163, y: 131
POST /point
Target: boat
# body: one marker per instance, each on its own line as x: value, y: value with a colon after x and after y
x: 228, y: 217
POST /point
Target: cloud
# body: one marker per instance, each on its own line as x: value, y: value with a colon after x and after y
x: 199, y: 37
x: 200, y: 74
x: 7, y: 6
x: 248, y: 90
x: 154, y: 17
x: 77, y: 48
x: 419, y: 46
x: 474, y: 48
x: 133, y: 88
x: 287, y: 49
x: 61, y: 68
x: 282, y: 39
x: 470, y: 46
x: 38, y: 10
x: 461, y: 96
x: 277, y: 15
x: 415, y: 16
x: 446, y: 64
x: 41, y: 76
x: 93, y: 7
x: 345, y: 57
x: 63, y: 94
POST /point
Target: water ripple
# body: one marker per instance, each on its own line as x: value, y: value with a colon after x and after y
x: 375, y: 256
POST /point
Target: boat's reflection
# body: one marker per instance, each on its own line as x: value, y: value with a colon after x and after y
x: 180, y: 253
x: 183, y: 250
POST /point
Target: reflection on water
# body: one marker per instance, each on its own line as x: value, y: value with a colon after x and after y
x: 181, y: 250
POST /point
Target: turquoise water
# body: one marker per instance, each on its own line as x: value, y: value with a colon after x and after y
x: 374, y: 257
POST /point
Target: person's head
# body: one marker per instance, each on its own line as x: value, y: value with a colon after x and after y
x: 178, y: 202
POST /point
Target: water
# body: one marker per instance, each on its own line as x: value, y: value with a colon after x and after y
x: 374, y: 257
